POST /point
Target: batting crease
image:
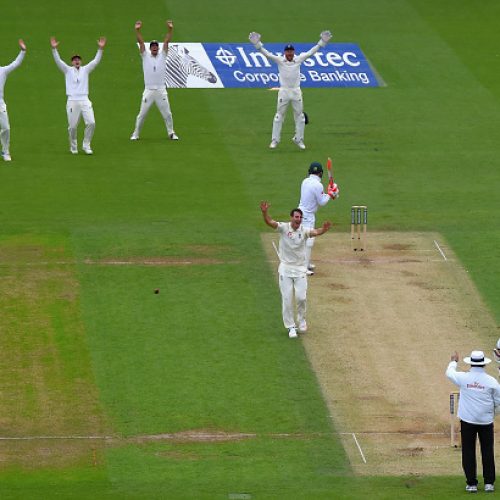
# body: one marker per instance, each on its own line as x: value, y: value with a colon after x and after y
x: 359, y: 447
x: 215, y: 435
x: 440, y: 250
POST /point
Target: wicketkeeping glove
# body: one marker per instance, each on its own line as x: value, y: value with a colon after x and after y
x: 333, y: 191
x: 255, y: 39
x: 325, y: 38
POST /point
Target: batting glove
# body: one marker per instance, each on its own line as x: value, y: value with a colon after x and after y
x: 255, y: 39
x: 325, y: 38
x: 333, y: 191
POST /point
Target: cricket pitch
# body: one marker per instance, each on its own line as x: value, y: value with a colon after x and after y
x: 382, y: 325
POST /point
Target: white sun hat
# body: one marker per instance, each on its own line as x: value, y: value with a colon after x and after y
x: 477, y: 358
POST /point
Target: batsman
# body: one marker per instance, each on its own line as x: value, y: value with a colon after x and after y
x: 312, y: 196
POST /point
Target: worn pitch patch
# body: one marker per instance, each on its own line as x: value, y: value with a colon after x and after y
x: 47, y: 385
x: 382, y: 326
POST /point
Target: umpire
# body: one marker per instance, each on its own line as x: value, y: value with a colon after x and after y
x: 478, y: 403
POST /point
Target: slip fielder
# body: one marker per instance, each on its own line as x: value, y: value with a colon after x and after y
x: 154, y: 64
x: 4, y: 117
x: 77, y: 89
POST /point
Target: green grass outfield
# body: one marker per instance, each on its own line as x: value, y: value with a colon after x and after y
x: 89, y: 349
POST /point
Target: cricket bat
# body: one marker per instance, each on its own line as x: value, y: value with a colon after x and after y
x: 330, y: 173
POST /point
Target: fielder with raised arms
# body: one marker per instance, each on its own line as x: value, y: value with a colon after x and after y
x: 154, y: 64
x: 312, y: 197
x: 290, y: 92
x: 292, y: 268
x: 77, y: 89
x: 4, y: 117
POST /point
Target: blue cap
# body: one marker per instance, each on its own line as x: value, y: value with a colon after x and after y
x: 289, y: 46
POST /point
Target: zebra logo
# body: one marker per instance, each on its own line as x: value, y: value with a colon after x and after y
x: 180, y: 64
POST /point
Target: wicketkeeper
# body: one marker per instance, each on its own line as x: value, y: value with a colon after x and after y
x: 290, y: 92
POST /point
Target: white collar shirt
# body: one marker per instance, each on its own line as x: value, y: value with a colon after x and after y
x: 311, y: 194
x: 289, y: 71
x: 5, y: 70
x: 292, y: 249
x: 479, y: 394
x: 77, y: 80
x: 154, y: 68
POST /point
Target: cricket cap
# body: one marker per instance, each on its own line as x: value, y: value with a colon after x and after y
x: 289, y: 46
x: 316, y: 168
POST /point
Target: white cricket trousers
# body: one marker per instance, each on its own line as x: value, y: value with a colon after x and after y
x: 160, y: 98
x: 290, y: 287
x: 309, y: 221
x: 286, y: 97
x: 4, y: 127
x: 76, y: 110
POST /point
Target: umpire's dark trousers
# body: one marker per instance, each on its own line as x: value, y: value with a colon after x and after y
x: 486, y: 440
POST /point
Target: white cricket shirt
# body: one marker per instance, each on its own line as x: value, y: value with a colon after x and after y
x: 77, y: 80
x: 479, y: 394
x: 289, y: 71
x: 5, y: 70
x: 292, y: 249
x: 154, y: 68
x: 311, y: 194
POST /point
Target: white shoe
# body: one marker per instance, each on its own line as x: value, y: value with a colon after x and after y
x: 489, y: 488
x: 300, y: 143
x: 311, y: 266
x: 73, y: 151
x: 88, y: 151
x: 6, y: 157
x: 134, y: 137
x: 273, y: 144
x: 292, y: 333
x: 173, y: 137
x: 303, y: 326
x: 309, y: 272
x: 471, y: 488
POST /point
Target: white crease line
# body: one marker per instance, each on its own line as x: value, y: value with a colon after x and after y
x: 275, y: 249
x: 36, y: 438
x: 393, y: 433
x: 440, y: 251
x: 359, y: 448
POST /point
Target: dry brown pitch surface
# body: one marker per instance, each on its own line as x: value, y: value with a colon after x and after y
x: 382, y: 326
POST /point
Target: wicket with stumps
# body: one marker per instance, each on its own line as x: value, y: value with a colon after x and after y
x: 454, y: 398
x: 359, y: 213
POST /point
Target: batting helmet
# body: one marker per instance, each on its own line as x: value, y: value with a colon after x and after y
x: 316, y: 168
